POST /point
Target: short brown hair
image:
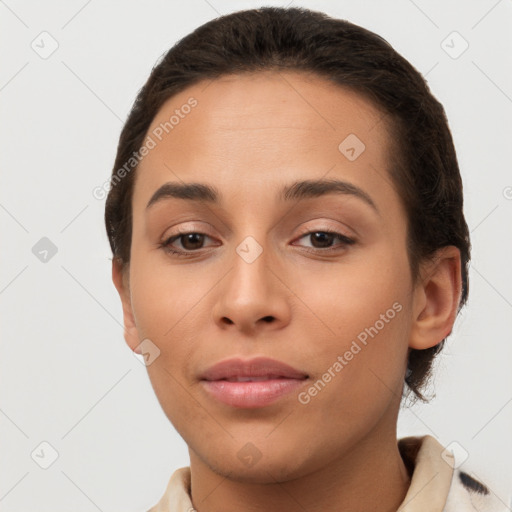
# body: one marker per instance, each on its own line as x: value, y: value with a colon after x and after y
x: 425, y: 172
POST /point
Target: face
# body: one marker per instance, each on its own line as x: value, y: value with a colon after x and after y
x: 318, y: 280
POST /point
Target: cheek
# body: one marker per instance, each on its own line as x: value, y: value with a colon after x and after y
x: 358, y: 318
x: 166, y: 302
x: 164, y: 297
x: 344, y: 299
x: 359, y: 372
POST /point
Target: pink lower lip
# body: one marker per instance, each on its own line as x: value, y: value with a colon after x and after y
x: 251, y: 394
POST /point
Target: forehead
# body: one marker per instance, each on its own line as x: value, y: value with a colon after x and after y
x: 265, y: 127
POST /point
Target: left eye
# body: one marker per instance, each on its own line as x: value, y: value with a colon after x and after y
x: 325, y: 237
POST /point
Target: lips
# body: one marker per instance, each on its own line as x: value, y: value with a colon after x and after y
x: 251, y: 384
x: 257, y: 369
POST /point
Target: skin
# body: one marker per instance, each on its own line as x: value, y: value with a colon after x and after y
x: 248, y: 136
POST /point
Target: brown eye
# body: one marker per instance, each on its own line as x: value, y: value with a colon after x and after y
x: 191, y: 241
x: 323, y: 240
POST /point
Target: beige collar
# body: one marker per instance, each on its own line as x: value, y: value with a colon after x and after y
x: 432, y: 476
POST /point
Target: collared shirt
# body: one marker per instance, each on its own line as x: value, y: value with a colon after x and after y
x: 436, y: 485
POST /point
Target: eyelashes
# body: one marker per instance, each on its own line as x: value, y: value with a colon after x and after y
x: 344, y: 240
x: 166, y: 245
x: 324, y: 235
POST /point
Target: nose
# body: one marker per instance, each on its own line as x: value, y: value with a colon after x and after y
x: 254, y: 295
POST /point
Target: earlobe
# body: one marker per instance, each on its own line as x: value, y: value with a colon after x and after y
x: 120, y: 278
x: 436, y: 299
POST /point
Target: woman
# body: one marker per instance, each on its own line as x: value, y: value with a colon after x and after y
x: 290, y: 250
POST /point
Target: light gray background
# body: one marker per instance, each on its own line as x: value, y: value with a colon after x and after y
x: 67, y: 376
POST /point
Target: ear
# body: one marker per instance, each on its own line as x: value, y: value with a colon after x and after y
x: 436, y: 299
x: 120, y: 278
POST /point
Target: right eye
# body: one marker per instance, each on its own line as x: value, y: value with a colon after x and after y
x: 190, y: 241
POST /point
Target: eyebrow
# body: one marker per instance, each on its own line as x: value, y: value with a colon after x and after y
x: 297, y: 190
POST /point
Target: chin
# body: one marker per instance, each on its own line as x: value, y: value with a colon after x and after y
x: 258, y: 469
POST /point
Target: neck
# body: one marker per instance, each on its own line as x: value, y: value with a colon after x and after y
x: 368, y: 473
